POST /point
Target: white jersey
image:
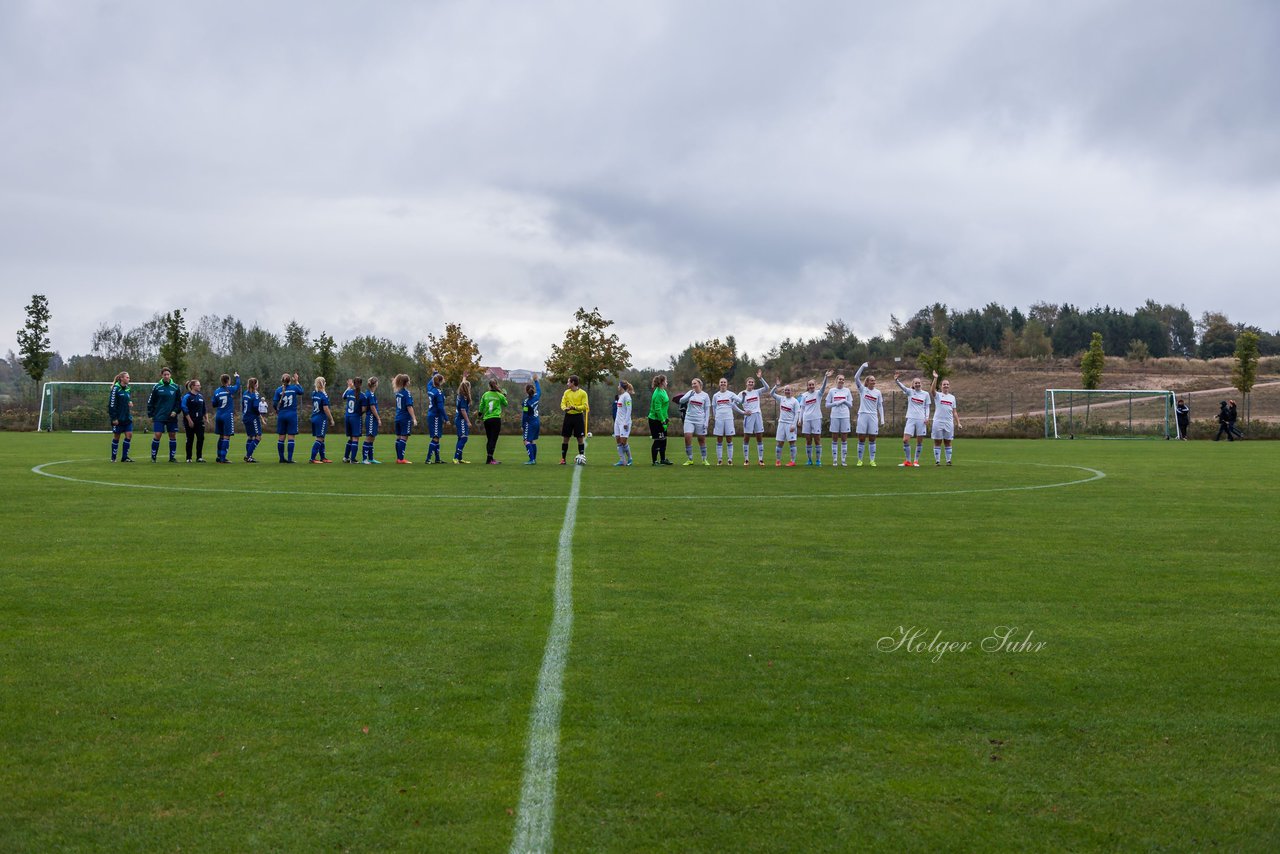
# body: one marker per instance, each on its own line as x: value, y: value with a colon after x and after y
x: 788, y: 408
x: 724, y: 404
x: 622, y: 410
x: 811, y: 403
x: 871, y: 401
x: 750, y: 398
x: 699, y: 407
x: 840, y: 402
x: 944, y: 412
x: 917, y: 403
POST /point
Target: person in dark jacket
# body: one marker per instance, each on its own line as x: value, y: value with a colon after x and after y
x: 1232, y: 415
x: 120, y: 410
x: 1224, y: 423
x: 164, y: 406
x: 1184, y: 418
x: 193, y: 416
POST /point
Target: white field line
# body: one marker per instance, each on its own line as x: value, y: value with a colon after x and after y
x: 535, y: 816
x: 1093, y: 474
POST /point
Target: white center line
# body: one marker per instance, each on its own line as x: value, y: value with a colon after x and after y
x: 535, y: 817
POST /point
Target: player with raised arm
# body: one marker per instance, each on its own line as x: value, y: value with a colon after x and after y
x: 164, y: 406
x: 224, y: 415
x: 321, y: 421
x: 659, y: 416
x: 870, y: 414
x: 531, y: 419
x: 840, y: 403
x: 811, y: 420
x: 724, y: 404
x: 120, y: 410
x: 436, y: 416
x: 698, y: 404
x: 788, y: 411
x: 492, y: 402
x: 372, y: 422
x: 462, y: 423
x: 352, y: 418
x: 946, y: 419
x: 406, y: 418
x: 251, y: 417
x: 622, y: 422
x: 752, y: 418
x: 285, y: 402
x: 917, y: 420
x: 576, y: 409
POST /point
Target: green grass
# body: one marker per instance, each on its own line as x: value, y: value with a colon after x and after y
x: 350, y: 666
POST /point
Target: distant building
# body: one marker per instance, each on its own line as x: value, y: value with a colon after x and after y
x: 520, y: 376
x: 498, y: 374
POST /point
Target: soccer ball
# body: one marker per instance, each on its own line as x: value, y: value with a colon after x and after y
x: 588, y: 434
x: 580, y: 459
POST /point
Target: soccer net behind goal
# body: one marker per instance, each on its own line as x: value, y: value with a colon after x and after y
x: 1074, y: 413
x: 82, y: 407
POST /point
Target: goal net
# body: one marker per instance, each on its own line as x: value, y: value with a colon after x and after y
x: 1126, y: 413
x: 82, y: 407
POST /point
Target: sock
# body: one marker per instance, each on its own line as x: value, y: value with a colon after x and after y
x: 777, y: 452
x: 719, y: 452
x: 155, y: 448
x: 627, y: 448
x: 173, y: 449
x: 861, y: 444
x: 817, y: 452
x: 808, y: 452
x: 564, y: 450
x: 759, y: 449
x: 688, y: 451
x: 937, y: 453
x: 115, y: 449
x: 793, y: 453
x: 289, y: 448
x: 703, y: 449
x: 729, y: 444
x: 872, y: 445
x: 746, y: 450
x: 906, y: 451
x: 315, y: 449
x: 582, y: 447
x: 280, y: 449
x: 844, y: 450
x: 835, y: 447
x: 533, y: 451
x: 126, y: 452
x: 919, y: 450
x: 124, y: 449
x: 400, y: 445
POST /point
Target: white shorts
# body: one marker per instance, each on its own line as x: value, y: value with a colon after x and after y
x: 811, y: 427
x: 915, y: 427
x: 839, y: 424
x: 622, y: 428
x: 868, y: 425
x: 752, y: 424
x: 786, y: 432
x: 695, y: 429
x: 943, y: 431
x: 724, y: 427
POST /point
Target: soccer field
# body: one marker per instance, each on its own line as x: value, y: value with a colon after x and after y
x: 250, y: 658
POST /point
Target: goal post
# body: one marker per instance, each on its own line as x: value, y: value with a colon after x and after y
x: 1123, y: 413
x: 81, y: 407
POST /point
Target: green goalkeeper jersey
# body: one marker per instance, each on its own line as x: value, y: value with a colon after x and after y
x: 659, y: 405
x: 492, y: 404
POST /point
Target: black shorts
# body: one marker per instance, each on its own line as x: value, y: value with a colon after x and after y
x: 575, y: 424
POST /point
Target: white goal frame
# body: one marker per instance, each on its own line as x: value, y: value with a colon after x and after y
x: 49, y: 394
x: 1058, y: 401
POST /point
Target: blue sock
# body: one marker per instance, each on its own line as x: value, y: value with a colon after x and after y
x: 155, y: 448
x: 533, y: 451
x: 115, y: 449
x: 173, y: 449
x: 280, y: 449
x: 400, y: 444
x: 290, y: 448
x: 125, y: 450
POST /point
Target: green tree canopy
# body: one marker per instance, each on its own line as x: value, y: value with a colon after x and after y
x: 588, y: 351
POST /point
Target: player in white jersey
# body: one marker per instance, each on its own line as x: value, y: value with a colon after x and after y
x: 840, y: 402
x: 698, y: 410
x: 917, y: 420
x: 870, y: 414
x: 753, y: 419
x: 622, y: 422
x: 946, y: 420
x: 724, y: 404
x: 788, y: 412
x: 811, y: 420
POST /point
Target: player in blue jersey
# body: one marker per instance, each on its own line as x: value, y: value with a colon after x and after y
x: 224, y: 415
x: 436, y: 416
x: 372, y: 421
x: 352, y: 410
x: 531, y: 420
x: 164, y: 406
x: 405, y: 417
x: 462, y: 423
x: 251, y: 416
x: 285, y: 403
x: 321, y: 421
x: 120, y: 408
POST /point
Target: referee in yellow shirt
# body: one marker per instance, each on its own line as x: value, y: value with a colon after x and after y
x: 575, y: 408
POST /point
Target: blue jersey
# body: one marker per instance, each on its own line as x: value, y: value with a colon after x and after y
x: 287, y: 397
x: 319, y: 400
x: 224, y: 400
x: 193, y: 406
x: 529, y: 409
x: 462, y: 408
x: 435, y: 402
x: 118, y: 404
x: 404, y: 401
x: 352, y: 403
x: 249, y: 406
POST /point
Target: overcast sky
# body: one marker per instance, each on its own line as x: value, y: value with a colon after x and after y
x: 695, y: 169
